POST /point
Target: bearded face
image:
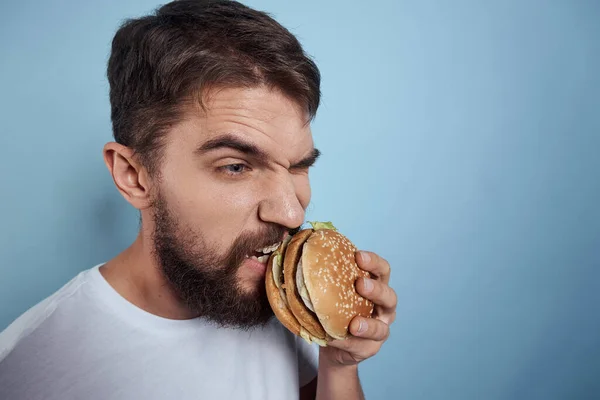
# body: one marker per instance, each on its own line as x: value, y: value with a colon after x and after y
x: 205, y: 278
x: 233, y: 181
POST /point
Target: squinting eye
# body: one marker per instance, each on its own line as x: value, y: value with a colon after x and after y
x: 234, y: 169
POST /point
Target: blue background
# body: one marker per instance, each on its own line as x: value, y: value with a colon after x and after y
x: 461, y: 141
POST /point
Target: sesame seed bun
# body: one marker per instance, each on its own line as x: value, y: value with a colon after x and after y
x: 330, y: 272
x: 318, y: 300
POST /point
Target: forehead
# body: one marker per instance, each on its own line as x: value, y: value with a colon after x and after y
x: 262, y: 116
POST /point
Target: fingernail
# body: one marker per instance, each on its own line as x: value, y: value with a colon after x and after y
x: 365, y: 257
x: 362, y: 326
x: 368, y: 285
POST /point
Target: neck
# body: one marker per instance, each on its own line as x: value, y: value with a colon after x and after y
x: 135, y: 275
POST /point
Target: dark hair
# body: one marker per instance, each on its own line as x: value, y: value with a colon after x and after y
x: 161, y: 61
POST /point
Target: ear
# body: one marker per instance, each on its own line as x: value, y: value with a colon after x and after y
x: 130, y: 177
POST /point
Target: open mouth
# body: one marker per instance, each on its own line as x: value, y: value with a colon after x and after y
x: 262, y: 255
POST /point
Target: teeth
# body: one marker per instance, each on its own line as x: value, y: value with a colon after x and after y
x: 269, y: 249
x: 261, y: 259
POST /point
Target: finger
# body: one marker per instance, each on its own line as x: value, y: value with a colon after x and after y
x: 389, y: 318
x: 374, y: 264
x: 369, y: 328
x: 378, y: 292
x: 359, y: 348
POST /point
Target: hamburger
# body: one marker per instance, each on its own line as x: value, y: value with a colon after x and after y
x: 310, y: 284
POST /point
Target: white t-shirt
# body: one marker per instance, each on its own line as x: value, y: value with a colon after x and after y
x: 88, y: 342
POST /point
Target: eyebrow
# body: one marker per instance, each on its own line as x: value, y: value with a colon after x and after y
x: 230, y: 141
x: 307, y: 161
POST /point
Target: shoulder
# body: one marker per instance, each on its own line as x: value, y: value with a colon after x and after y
x: 37, y: 316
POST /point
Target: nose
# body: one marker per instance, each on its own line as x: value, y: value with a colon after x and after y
x: 282, y: 205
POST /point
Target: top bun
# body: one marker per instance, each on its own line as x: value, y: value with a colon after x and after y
x: 330, y: 271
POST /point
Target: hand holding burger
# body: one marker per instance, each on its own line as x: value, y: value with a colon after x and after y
x: 322, y: 289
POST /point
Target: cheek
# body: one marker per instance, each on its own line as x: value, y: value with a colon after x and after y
x: 219, y: 210
x: 209, y: 207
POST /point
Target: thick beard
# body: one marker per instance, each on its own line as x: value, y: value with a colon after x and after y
x: 205, y: 280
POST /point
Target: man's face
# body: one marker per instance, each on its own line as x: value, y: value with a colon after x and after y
x: 234, y: 179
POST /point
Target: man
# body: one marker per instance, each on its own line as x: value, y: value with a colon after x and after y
x: 211, y: 107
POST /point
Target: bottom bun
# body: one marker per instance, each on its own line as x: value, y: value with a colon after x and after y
x: 279, y: 306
